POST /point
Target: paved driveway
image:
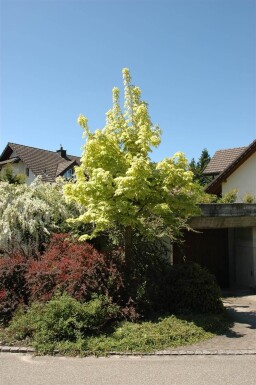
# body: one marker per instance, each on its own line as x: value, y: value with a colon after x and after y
x: 241, y: 339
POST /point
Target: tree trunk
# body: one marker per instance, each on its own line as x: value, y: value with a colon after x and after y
x: 128, y: 243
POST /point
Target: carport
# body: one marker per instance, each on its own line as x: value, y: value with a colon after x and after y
x: 224, y: 241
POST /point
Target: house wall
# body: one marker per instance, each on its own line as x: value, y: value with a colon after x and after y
x: 243, y: 179
x: 20, y: 168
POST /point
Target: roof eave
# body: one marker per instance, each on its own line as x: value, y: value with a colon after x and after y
x: 211, y: 173
x: 74, y: 163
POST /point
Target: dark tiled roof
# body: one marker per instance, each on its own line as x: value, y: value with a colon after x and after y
x: 215, y: 186
x: 76, y: 158
x: 222, y: 159
x: 62, y: 166
x: 49, y: 164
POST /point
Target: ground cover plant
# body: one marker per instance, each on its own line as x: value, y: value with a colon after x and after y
x: 65, y: 325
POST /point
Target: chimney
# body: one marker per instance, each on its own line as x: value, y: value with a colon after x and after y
x: 62, y: 153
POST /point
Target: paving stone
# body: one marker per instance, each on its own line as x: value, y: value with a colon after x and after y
x: 5, y: 349
x: 14, y: 349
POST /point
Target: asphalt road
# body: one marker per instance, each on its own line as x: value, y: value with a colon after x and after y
x: 18, y: 369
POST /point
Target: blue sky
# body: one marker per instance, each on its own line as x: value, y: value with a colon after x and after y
x: 195, y: 61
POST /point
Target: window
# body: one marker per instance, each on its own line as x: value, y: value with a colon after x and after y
x: 69, y: 174
x: 27, y: 171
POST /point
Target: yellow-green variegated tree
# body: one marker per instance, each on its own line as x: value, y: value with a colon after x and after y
x: 119, y: 184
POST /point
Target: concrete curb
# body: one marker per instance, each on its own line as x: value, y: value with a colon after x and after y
x: 189, y: 353
x: 16, y: 349
x: 204, y: 352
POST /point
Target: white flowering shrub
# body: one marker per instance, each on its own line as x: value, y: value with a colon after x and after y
x: 28, y: 214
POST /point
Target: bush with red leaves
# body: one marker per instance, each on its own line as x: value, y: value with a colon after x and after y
x: 73, y: 267
x: 13, y: 290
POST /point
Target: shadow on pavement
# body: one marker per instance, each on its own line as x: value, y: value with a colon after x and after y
x: 243, y: 317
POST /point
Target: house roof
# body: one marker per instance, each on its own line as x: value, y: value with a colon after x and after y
x: 222, y: 159
x: 215, y: 186
x: 49, y: 164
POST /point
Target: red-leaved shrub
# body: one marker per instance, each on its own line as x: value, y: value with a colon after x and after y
x: 13, y: 290
x: 73, y: 267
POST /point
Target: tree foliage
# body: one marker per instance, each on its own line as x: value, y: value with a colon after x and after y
x: 119, y: 184
x: 7, y: 175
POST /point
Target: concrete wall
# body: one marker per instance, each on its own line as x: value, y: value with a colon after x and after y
x: 242, y: 257
x: 243, y: 179
x: 215, y: 216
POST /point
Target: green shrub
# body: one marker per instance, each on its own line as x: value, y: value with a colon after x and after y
x: 249, y: 198
x: 152, y: 285
x: 159, y: 333
x: 63, y: 318
x: 229, y: 197
x: 193, y: 288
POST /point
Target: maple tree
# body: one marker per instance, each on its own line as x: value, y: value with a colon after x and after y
x: 119, y: 184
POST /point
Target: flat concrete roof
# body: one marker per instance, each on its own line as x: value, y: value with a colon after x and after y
x: 214, y: 216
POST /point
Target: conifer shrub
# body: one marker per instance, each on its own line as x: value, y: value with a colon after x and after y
x: 193, y: 289
x: 62, y: 318
x: 146, y: 277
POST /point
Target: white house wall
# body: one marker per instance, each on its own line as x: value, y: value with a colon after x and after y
x: 20, y: 168
x: 243, y: 179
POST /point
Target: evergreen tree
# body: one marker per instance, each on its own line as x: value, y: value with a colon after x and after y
x: 198, y: 167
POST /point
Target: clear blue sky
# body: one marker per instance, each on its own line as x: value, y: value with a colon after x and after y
x: 195, y: 61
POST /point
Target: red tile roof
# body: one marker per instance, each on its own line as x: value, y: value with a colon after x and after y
x: 215, y: 186
x: 222, y: 159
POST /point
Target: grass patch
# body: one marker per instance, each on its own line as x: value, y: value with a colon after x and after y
x: 163, y: 332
